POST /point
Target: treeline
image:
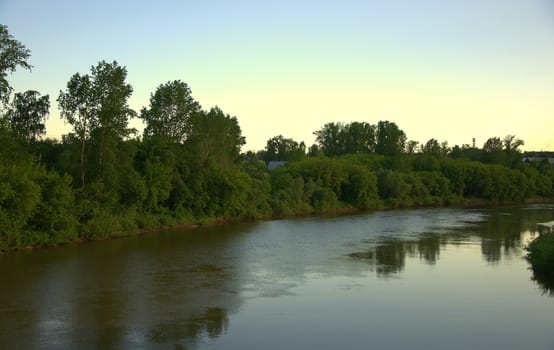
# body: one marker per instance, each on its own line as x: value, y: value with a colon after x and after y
x: 104, y: 179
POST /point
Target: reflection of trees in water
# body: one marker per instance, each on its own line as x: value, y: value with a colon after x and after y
x: 390, y: 256
x: 545, y: 282
x: 184, y: 332
x: 501, y: 235
x: 158, y: 290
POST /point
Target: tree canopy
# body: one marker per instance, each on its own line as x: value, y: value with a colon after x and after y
x: 13, y: 54
x: 103, y: 180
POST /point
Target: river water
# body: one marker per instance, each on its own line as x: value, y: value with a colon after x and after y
x: 409, y: 279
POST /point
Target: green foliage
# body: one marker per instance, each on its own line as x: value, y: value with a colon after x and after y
x: 329, y: 139
x: 26, y: 116
x: 322, y: 184
x: 172, y: 108
x: 435, y: 148
x: 12, y: 54
x: 391, y: 140
x: 541, y: 254
x: 36, y: 206
x: 215, y: 137
x: 336, y: 139
x: 155, y: 161
x: 288, y: 193
x: 19, y: 199
x: 258, y: 195
x: 54, y: 215
x: 98, y: 183
x: 360, y: 189
x: 96, y: 105
x: 279, y: 148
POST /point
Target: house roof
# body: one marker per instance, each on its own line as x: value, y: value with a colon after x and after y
x: 275, y: 164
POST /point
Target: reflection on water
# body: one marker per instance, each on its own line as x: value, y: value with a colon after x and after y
x: 328, y: 278
x: 390, y: 255
x: 167, y: 288
x: 213, y: 322
x: 501, y: 233
x: 545, y: 282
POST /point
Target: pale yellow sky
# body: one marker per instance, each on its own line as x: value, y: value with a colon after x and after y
x: 444, y: 69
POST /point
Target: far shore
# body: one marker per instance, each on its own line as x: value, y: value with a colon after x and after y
x: 189, y: 225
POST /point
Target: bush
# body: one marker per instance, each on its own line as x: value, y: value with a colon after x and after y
x: 541, y: 254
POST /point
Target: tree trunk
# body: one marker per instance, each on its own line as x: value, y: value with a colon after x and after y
x: 83, y: 162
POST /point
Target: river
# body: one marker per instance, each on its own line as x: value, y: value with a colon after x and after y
x: 408, y: 279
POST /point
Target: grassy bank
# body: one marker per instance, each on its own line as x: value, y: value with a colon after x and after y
x: 541, y: 251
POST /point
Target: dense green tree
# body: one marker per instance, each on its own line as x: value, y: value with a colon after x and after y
x: 391, y: 140
x: 329, y: 139
x: 258, y: 196
x: 358, y: 137
x: 411, y: 146
x: 467, y: 151
x: 54, y: 219
x: 36, y: 205
x: 111, y: 94
x: 215, y: 137
x: 13, y: 54
x: 511, y: 148
x: 171, y: 111
x: 279, y: 148
x: 288, y: 193
x: 503, y: 151
x: 511, y: 143
x: 156, y: 161
x: 314, y: 151
x: 27, y: 114
x: 337, y: 139
x: 431, y: 147
x: 493, y: 144
x: 79, y: 110
x: 493, y: 151
x: 96, y: 105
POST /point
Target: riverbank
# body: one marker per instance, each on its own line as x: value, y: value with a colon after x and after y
x: 220, y: 221
x: 213, y: 286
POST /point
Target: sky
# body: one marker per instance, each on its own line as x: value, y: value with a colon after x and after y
x: 446, y: 69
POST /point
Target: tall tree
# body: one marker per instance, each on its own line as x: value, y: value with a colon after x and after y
x: 359, y: 137
x: 12, y: 54
x: 511, y: 148
x: 171, y: 110
x: 411, y: 146
x: 493, y: 151
x: 111, y: 94
x: 435, y: 148
x: 391, y: 140
x: 27, y: 114
x: 96, y: 105
x: 511, y: 143
x: 329, y: 139
x: 493, y: 144
x: 79, y: 110
x: 279, y: 148
x: 215, y: 136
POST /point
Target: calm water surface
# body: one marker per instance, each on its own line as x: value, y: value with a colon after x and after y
x: 410, y: 279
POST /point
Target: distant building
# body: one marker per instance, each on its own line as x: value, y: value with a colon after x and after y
x: 538, y: 159
x: 275, y: 164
